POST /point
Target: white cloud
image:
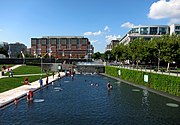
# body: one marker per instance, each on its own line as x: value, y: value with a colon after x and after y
x: 109, y: 38
x: 97, y: 33
x: 106, y: 28
x: 127, y: 25
x: 165, y: 9
x: 93, y: 33
x: 93, y: 41
x: 88, y: 33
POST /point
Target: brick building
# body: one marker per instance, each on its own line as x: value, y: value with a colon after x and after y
x: 62, y: 47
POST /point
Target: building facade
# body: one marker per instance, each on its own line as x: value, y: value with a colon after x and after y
x: 113, y: 43
x: 62, y: 47
x: 15, y: 49
x: 148, y: 32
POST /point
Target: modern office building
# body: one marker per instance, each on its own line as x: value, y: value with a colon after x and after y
x: 113, y: 43
x: 148, y: 32
x: 62, y: 47
x: 15, y: 49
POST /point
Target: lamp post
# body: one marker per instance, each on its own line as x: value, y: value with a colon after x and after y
x: 55, y: 63
x: 70, y: 57
x: 9, y: 52
x: 158, y: 58
x: 35, y: 56
x: 23, y: 57
x: 41, y: 65
x: 108, y: 57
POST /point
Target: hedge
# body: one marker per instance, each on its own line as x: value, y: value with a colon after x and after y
x: 165, y: 83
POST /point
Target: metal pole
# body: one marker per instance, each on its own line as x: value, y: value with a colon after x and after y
x: 41, y: 64
x: 158, y: 59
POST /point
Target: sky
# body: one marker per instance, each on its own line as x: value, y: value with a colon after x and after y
x: 98, y: 20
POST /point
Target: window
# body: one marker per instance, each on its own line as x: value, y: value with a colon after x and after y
x: 83, y: 41
x: 43, y: 42
x: 33, y: 42
x: 53, y: 41
x: 144, y: 30
x: 177, y: 27
x: 162, y: 30
x: 153, y: 30
x: 63, y: 41
x: 135, y: 30
x: 73, y: 41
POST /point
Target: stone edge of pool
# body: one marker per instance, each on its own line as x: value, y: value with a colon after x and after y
x: 176, y: 98
x: 6, y: 99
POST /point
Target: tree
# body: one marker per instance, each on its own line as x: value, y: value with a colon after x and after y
x: 96, y: 55
x: 4, y: 52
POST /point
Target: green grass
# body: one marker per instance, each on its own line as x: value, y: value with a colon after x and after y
x: 26, y: 70
x: 13, y: 82
x: 5, y: 65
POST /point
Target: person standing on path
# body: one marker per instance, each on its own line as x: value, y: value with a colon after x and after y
x: 41, y: 82
x: 47, y: 79
x: 53, y: 74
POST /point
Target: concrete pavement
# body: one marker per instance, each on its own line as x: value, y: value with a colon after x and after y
x: 9, y: 96
x: 13, y: 67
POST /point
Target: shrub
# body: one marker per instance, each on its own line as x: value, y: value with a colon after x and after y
x: 165, y: 83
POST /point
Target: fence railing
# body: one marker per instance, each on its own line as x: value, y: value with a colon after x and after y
x: 174, y: 71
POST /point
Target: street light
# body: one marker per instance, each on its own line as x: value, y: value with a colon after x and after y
x: 158, y: 58
x: 23, y: 57
x: 70, y: 57
x: 35, y: 56
x: 55, y: 63
x: 9, y: 52
x: 41, y: 65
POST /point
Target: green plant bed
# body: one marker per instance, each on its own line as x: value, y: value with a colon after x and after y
x: 13, y: 82
x: 165, y: 83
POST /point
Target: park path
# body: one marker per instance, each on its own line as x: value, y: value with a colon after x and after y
x: 151, y: 71
x: 8, y: 96
x: 13, y: 67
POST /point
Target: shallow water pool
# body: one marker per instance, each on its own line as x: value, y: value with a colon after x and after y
x: 86, y: 101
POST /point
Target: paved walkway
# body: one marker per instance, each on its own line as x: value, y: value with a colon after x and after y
x: 9, y: 96
x: 13, y: 67
x: 147, y: 70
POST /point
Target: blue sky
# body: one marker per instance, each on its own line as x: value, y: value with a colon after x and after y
x: 99, y: 20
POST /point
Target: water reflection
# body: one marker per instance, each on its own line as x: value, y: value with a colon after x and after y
x: 145, y: 100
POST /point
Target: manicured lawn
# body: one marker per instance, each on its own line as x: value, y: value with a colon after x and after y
x: 13, y: 82
x: 5, y: 65
x: 27, y: 70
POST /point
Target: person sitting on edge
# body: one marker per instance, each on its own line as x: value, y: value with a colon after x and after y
x: 15, y: 101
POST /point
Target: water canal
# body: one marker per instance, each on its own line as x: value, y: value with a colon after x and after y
x: 86, y: 101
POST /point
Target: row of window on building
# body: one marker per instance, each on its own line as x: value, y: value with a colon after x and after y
x: 147, y: 32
